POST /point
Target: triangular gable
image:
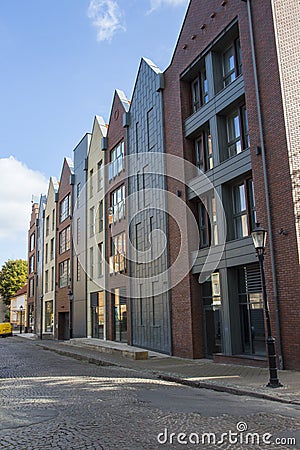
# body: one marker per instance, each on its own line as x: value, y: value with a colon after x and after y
x: 120, y: 105
x: 145, y: 64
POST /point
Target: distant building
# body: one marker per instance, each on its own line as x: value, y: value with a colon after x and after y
x: 19, y: 309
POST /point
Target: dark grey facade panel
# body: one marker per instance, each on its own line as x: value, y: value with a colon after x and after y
x: 150, y: 321
x: 236, y: 253
x: 223, y: 173
x: 219, y: 103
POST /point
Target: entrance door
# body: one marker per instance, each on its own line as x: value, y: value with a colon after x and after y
x: 120, y: 314
x: 63, y: 326
x: 97, y: 303
x: 212, y: 326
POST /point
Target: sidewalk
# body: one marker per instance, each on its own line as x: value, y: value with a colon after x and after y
x: 200, y: 373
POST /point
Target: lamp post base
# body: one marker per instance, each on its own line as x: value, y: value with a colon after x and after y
x: 274, y: 381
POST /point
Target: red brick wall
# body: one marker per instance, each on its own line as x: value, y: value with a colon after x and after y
x: 187, y: 336
x: 62, y: 298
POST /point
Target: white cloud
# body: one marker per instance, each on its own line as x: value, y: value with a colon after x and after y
x: 156, y: 4
x: 17, y: 185
x: 107, y: 17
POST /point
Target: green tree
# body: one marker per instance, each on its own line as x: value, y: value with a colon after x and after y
x: 13, y: 276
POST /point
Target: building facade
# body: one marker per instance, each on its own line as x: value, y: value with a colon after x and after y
x: 78, y: 238
x: 166, y: 197
x: 117, y: 301
x: 96, y: 325
x: 219, y: 87
x: 32, y: 255
x: 63, y: 270
x: 48, y: 301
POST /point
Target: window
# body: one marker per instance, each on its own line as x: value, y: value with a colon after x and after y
x: 64, y: 208
x: 240, y: 211
x: 64, y: 240
x: 46, y: 253
x: 252, y: 327
x: 78, y: 231
x: 116, y: 161
x: 52, y: 279
x: 199, y: 88
x: 100, y: 260
x: 237, y: 132
x: 31, y: 287
x: 52, y: 249
x: 151, y: 129
x: 53, y: 219
x: 232, y: 63
x: 31, y: 264
x: 91, y: 263
x: 47, y: 281
x: 204, y: 151
x: 101, y: 219
x: 47, y: 225
x: 32, y: 242
x: 92, y: 221
x: 100, y: 176
x: 118, y: 249
x: 203, y: 226
x: 91, y: 183
x: 208, y: 225
x: 78, y: 194
x: 117, y: 202
x: 78, y: 269
x: 64, y: 273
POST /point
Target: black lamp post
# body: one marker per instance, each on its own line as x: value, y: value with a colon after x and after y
x: 259, y: 236
x: 21, y: 318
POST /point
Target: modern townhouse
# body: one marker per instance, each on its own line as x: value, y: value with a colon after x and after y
x: 147, y: 213
x: 117, y: 303
x: 78, y: 237
x: 31, y: 285
x: 95, y: 241
x: 229, y: 117
x: 63, y: 270
x: 48, y: 300
x: 41, y: 257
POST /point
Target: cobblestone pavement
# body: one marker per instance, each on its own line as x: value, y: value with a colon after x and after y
x: 50, y: 401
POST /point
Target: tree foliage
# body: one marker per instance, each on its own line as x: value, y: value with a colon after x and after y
x: 13, y: 276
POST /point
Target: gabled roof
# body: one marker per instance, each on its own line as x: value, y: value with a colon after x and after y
x: 21, y: 291
x: 149, y: 64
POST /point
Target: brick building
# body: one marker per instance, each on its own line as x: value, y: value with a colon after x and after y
x: 227, y: 120
x: 32, y: 256
x: 63, y: 271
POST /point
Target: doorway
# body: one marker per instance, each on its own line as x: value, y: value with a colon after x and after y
x: 119, y: 305
x: 63, y: 326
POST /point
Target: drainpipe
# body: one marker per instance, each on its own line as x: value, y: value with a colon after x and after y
x: 266, y: 185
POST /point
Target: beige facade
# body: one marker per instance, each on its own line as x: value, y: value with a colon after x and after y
x: 18, y: 308
x: 49, y: 259
x: 95, y: 231
x: 286, y: 15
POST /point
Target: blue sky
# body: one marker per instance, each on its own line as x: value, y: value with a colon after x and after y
x: 61, y: 61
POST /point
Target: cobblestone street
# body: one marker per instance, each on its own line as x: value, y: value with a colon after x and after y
x: 50, y: 401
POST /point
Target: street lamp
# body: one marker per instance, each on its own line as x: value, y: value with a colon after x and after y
x: 259, y: 236
x: 21, y: 318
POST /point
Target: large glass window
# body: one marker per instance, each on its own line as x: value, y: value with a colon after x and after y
x: 204, y: 151
x: 64, y: 240
x: 32, y: 242
x: 244, y: 211
x: 232, y: 62
x: 116, y: 161
x: 199, y: 90
x: 118, y: 250
x: 64, y: 208
x: 92, y: 221
x: 64, y: 273
x: 237, y: 132
x: 117, y: 201
x: 31, y: 264
x: 251, y: 310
